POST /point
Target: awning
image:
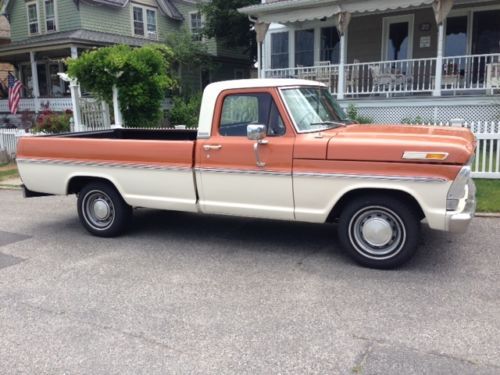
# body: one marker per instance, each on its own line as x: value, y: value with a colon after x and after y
x: 300, y: 15
x: 289, y: 11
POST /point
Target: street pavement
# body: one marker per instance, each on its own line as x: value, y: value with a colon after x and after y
x: 182, y: 293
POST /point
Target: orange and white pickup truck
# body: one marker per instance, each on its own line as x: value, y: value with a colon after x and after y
x: 273, y: 149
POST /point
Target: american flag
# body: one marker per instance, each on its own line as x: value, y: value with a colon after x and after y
x: 14, y: 93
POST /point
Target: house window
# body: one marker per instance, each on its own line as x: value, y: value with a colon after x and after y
x: 304, y: 47
x: 33, y: 18
x: 279, y: 50
x: 397, y: 38
x: 144, y: 20
x: 50, y: 16
x: 456, y: 36
x: 196, y: 25
x: 330, y: 45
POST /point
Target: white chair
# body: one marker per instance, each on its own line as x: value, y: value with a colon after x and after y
x: 323, y: 72
x: 352, y: 77
x: 493, y: 76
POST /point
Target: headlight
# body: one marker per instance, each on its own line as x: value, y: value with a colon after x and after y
x: 457, y: 189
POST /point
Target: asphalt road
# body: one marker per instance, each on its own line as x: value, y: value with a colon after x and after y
x: 183, y: 294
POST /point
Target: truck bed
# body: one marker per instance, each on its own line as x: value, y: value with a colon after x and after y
x: 144, y: 134
x: 150, y: 168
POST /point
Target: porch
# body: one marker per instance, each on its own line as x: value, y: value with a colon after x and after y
x: 369, y: 49
x: 460, y: 75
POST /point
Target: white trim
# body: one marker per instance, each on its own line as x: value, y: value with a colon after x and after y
x: 200, y: 34
x: 37, y: 17
x: 386, y: 22
x: 56, y: 18
x: 144, y: 8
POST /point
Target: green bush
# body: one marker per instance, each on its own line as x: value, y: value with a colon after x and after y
x: 52, y: 122
x: 140, y: 75
x: 185, y: 111
x: 352, y: 113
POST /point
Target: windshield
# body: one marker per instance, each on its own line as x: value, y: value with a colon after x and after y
x: 313, y: 109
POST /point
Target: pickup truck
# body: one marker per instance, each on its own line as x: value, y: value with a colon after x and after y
x: 275, y: 149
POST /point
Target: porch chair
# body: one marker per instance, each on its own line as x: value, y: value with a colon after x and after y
x: 352, y: 77
x: 323, y: 72
x: 380, y: 79
x: 493, y: 77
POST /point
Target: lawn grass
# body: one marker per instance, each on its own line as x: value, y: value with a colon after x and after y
x: 488, y: 195
x: 8, y: 170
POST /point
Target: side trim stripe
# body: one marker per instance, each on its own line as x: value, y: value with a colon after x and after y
x: 370, y: 177
x: 242, y: 171
x: 104, y: 164
x: 231, y: 171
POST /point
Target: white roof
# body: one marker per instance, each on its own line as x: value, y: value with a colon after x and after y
x: 260, y: 82
x: 213, y: 90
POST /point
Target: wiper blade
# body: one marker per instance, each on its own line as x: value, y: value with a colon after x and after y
x: 328, y: 123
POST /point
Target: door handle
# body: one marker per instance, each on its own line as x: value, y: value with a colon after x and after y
x: 212, y: 147
x: 259, y: 163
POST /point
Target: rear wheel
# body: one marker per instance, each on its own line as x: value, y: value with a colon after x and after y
x: 102, y: 210
x: 379, y: 231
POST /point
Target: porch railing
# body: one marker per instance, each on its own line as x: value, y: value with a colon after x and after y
x: 460, y: 74
x: 55, y: 104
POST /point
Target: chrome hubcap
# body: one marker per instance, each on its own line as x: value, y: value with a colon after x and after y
x: 377, y: 232
x: 99, y: 211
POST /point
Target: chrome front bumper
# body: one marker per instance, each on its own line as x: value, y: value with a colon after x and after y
x: 458, y: 221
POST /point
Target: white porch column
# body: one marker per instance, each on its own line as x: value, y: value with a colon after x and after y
x: 343, y: 20
x: 341, y: 82
x: 74, y: 52
x: 441, y: 10
x: 34, y: 81
x: 439, y: 62
x: 75, y: 101
x: 116, y: 108
x: 260, y: 31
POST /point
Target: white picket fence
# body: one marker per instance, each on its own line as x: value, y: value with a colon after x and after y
x: 486, y: 164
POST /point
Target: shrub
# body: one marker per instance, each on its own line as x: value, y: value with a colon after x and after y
x: 185, y: 110
x: 140, y: 75
x: 52, y: 122
x: 352, y: 113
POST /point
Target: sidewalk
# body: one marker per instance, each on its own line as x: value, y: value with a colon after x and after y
x: 11, y: 183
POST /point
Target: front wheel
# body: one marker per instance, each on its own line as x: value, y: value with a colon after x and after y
x: 102, y: 210
x: 379, y: 231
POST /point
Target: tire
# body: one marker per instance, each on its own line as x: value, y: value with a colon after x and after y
x: 379, y: 231
x: 102, y: 210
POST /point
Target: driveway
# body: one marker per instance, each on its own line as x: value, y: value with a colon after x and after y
x: 183, y: 293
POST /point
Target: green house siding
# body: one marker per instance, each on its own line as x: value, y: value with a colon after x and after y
x: 106, y: 19
x: 68, y: 16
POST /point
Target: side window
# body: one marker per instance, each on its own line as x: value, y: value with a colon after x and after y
x: 240, y: 110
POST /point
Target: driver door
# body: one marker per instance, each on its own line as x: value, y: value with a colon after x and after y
x: 231, y: 181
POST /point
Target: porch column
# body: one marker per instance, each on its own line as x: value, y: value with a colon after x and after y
x: 260, y: 31
x: 34, y: 80
x: 343, y: 20
x: 116, y: 108
x: 441, y: 10
x: 75, y: 101
x: 74, y: 52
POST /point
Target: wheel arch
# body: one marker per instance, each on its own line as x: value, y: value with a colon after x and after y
x: 76, y: 182
x: 351, y: 195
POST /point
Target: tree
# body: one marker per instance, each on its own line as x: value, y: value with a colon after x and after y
x: 224, y: 22
x: 140, y: 75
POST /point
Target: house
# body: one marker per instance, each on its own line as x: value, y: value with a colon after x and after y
x: 46, y: 32
x: 394, y: 59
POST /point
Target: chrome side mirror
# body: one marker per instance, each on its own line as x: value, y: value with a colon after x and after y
x: 256, y: 132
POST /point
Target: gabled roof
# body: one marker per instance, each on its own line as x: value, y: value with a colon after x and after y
x: 166, y: 6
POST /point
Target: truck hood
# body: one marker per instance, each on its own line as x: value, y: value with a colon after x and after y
x: 388, y: 143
